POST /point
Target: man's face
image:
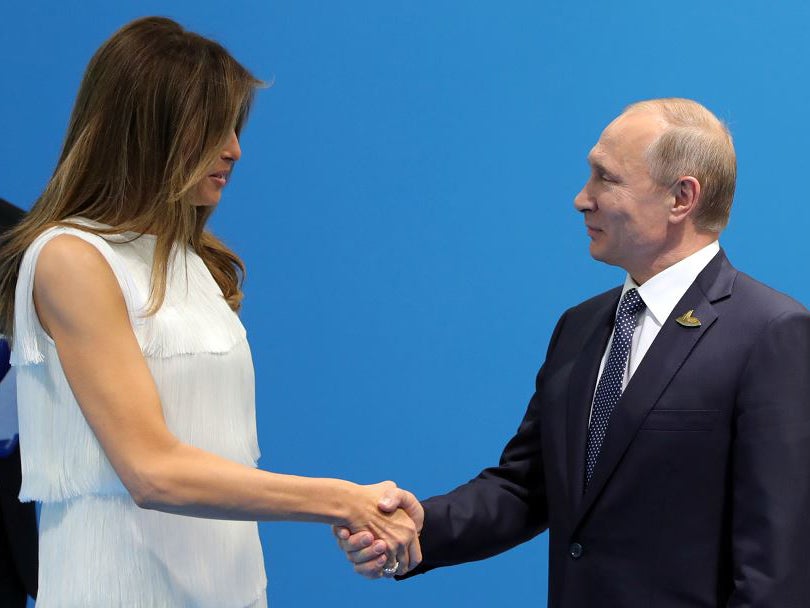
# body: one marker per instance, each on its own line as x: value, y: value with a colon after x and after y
x: 626, y: 211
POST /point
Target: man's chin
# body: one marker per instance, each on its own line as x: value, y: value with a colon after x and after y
x: 600, y: 255
x: 597, y: 253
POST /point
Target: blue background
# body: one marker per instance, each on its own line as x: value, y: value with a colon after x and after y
x: 404, y: 207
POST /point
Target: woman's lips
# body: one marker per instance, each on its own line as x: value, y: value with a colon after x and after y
x: 220, y: 179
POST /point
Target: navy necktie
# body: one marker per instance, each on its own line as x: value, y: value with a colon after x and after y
x: 609, y: 389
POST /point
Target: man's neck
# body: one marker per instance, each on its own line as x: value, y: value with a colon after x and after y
x: 670, y: 257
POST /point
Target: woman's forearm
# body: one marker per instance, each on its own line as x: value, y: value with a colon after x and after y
x: 189, y: 481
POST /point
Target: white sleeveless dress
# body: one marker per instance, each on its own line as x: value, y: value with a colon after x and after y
x: 97, y: 547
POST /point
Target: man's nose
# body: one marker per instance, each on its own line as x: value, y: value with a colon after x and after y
x: 584, y: 201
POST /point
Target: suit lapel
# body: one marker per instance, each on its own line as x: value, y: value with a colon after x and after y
x: 667, y: 353
x: 580, y: 395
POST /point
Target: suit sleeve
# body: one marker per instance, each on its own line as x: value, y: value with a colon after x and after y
x: 500, y: 508
x: 770, y: 504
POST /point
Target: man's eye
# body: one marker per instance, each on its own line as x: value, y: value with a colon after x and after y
x: 606, y: 178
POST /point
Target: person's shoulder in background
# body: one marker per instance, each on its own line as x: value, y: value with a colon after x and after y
x: 9, y: 214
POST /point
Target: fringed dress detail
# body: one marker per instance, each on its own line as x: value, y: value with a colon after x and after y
x: 97, y: 547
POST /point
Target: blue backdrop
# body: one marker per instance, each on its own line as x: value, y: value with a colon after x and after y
x: 404, y: 207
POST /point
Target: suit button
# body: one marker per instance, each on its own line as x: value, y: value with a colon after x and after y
x: 575, y: 550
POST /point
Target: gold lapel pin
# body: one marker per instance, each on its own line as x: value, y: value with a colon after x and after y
x: 687, y: 320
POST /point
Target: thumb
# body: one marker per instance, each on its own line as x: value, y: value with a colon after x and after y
x: 390, y: 500
x: 409, y: 503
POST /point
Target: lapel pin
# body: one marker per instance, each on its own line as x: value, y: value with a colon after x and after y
x: 687, y: 320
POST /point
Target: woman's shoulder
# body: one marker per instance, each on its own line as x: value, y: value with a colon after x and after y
x: 68, y: 263
x: 76, y: 290
x: 72, y: 250
x: 67, y: 248
x: 70, y: 270
x: 81, y: 245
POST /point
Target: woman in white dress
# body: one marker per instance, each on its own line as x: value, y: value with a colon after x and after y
x: 135, y: 380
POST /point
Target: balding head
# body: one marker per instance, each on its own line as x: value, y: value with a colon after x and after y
x: 694, y: 143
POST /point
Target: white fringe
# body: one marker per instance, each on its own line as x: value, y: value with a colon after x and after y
x: 154, y: 560
x: 208, y: 402
x: 194, y: 317
x: 97, y: 547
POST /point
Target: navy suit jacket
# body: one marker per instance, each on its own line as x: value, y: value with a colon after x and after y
x: 701, y: 495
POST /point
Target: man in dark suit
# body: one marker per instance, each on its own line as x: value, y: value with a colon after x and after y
x: 667, y: 446
x: 18, y: 529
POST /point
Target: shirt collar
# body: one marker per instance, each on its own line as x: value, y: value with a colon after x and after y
x: 663, y: 291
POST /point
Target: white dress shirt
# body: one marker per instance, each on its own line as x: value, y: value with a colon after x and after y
x: 660, y: 294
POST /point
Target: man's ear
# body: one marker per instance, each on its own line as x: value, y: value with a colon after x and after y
x: 686, y: 194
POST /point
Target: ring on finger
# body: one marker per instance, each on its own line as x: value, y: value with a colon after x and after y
x: 390, y: 570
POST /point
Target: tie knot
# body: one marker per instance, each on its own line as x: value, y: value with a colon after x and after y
x: 631, y: 303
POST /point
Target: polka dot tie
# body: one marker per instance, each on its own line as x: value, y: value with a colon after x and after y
x: 609, y: 389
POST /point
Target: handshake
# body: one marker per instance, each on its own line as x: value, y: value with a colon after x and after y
x: 383, y: 539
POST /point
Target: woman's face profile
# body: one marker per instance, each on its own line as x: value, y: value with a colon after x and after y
x: 209, y: 190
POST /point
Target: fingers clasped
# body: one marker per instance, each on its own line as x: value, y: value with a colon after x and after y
x: 368, y: 557
x: 389, y: 545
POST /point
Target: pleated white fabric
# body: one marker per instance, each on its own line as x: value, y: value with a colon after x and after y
x: 97, y: 547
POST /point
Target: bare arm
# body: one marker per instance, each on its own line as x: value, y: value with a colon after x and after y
x: 80, y: 305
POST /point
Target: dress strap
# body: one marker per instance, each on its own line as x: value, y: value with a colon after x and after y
x: 28, y: 332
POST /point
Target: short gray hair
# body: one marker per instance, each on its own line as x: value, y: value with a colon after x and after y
x: 698, y: 144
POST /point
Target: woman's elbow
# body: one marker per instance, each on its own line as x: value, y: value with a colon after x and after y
x: 146, y: 496
x: 150, y: 487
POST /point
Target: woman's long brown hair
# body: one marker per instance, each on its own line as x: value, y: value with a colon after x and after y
x: 154, y: 109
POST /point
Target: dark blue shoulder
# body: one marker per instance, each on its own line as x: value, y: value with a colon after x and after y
x: 760, y: 298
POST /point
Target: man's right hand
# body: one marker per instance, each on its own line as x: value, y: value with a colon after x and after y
x: 368, y: 555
